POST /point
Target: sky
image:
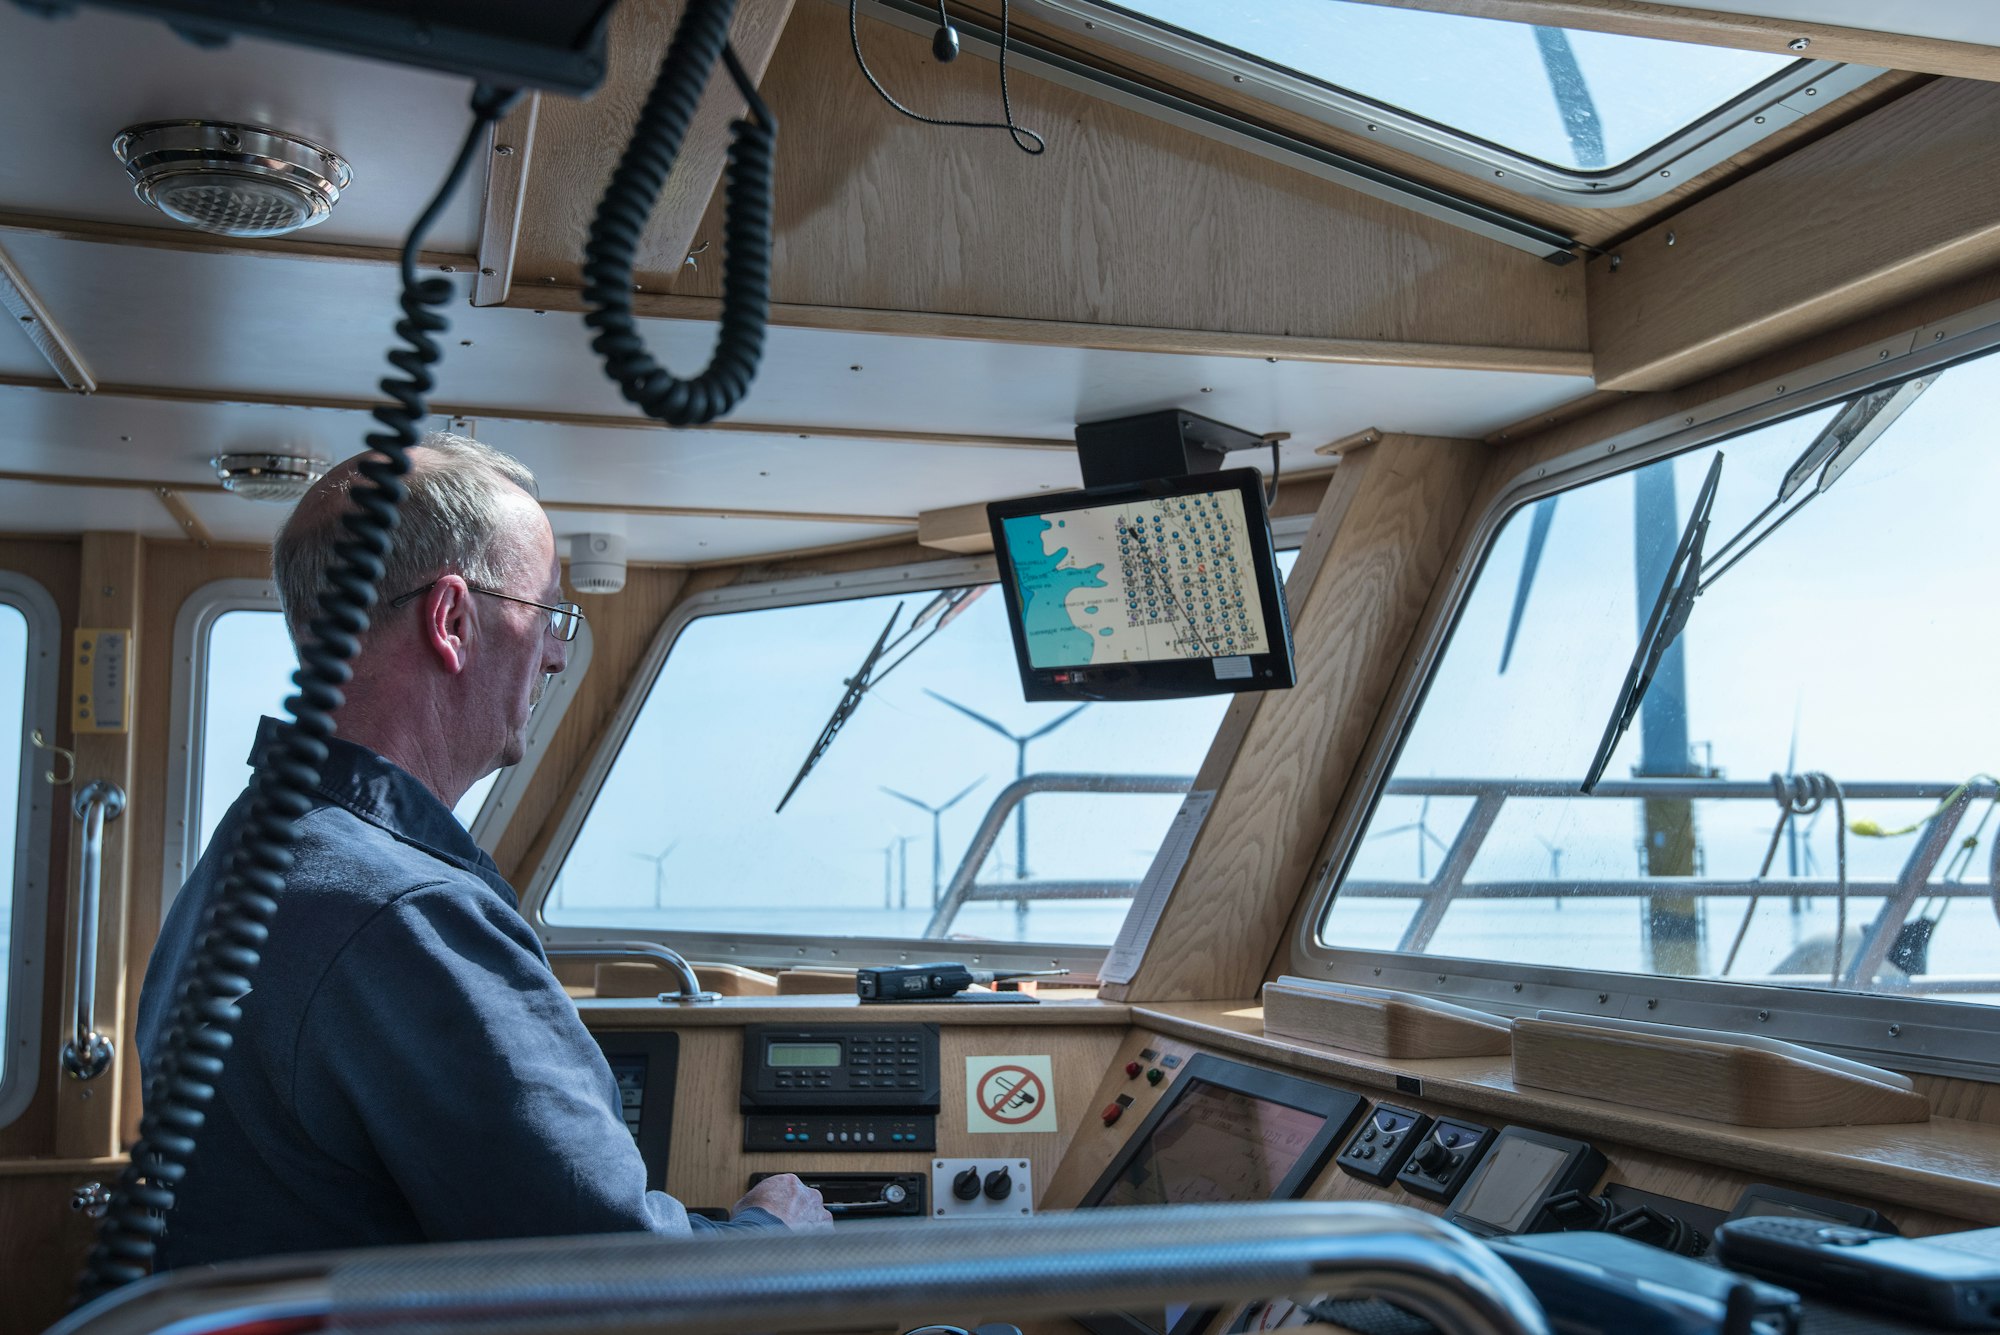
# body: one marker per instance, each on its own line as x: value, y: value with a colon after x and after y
x: 1483, y: 76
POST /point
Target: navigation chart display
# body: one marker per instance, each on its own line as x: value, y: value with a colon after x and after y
x: 1164, y: 578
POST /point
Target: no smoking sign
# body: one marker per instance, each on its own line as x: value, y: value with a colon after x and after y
x: 1009, y: 1094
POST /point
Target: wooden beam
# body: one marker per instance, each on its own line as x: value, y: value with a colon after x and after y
x: 26, y: 313
x: 551, y: 417
x: 579, y: 143
x: 1905, y: 201
x: 1084, y: 334
x: 206, y: 243
x: 1281, y: 761
x: 510, y: 146
x: 184, y: 515
x: 725, y: 512
x: 87, y: 1111
x: 1748, y: 32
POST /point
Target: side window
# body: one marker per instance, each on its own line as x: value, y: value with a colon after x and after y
x: 943, y: 807
x: 233, y: 665
x: 1804, y: 794
x: 29, y: 637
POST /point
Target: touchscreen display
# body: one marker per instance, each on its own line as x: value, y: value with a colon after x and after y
x: 1167, y: 578
x: 1214, y: 1144
x: 1511, y: 1184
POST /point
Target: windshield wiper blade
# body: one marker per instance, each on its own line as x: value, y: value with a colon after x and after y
x: 938, y: 613
x: 1678, y: 590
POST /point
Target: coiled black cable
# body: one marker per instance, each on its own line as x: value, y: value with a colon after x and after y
x: 628, y: 201
x: 238, y: 923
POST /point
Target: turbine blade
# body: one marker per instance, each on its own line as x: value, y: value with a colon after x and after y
x: 1531, y: 561
x: 1048, y: 728
x: 972, y: 714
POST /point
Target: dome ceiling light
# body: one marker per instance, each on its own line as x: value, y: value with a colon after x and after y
x: 268, y: 477
x: 233, y: 180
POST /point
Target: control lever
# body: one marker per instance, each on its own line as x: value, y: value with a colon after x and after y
x: 999, y: 1184
x: 966, y: 1185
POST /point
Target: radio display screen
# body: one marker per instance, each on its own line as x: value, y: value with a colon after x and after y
x: 802, y: 1054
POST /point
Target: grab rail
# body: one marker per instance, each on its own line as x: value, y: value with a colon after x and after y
x: 88, y: 1052
x: 691, y: 992
x: 966, y: 888
x: 859, y: 1275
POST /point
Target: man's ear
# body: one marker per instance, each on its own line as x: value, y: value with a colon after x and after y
x: 449, y: 623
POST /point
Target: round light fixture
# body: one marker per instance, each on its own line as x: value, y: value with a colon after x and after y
x: 268, y: 477
x: 234, y: 180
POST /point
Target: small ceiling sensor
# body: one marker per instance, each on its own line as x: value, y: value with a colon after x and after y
x: 597, y: 562
x: 234, y: 180
x: 268, y: 477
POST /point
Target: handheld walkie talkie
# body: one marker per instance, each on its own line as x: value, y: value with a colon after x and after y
x: 932, y: 982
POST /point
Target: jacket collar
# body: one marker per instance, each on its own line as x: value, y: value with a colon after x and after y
x: 385, y: 795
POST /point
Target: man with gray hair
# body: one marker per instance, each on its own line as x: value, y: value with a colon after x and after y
x: 407, y: 1068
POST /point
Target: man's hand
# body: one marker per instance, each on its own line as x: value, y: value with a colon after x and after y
x: 791, y: 1200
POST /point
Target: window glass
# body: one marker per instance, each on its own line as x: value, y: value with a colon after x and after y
x: 1583, y: 101
x: 13, y: 715
x: 250, y: 665
x: 1856, y: 641
x: 684, y: 833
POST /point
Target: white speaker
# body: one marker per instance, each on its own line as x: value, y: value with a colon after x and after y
x: 597, y: 562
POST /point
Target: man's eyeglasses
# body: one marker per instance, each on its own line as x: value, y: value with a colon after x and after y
x: 564, y: 618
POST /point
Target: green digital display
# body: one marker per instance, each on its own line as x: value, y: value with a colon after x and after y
x: 802, y: 1054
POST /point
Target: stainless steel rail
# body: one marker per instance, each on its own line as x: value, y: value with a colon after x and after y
x: 88, y: 1053
x: 691, y: 992
x: 860, y: 1275
x: 966, y: 887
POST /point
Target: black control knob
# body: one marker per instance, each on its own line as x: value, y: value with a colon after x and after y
x: 966, y: 1185
x: 999, y: 1185
x: 1433, y: 1159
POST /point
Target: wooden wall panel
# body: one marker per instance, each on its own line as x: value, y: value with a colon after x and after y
x: 1904, y: 201
x: 55, y: 565
x: 44, y: 1240
x: 707, y: 1164
x: 1125, y: 221
x: 1282, y: 760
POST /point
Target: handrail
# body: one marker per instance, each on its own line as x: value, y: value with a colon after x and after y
x: 858, y: 1275
x: 965, y: 888
x: 691, y: 992
x: 88, y: 1053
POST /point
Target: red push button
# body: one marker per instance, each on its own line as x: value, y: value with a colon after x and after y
x: 1132, y: 1070
x: 1112, y: 1112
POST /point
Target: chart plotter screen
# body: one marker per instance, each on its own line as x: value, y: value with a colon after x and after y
x: 1145, y: 591
x: 1166, y: 578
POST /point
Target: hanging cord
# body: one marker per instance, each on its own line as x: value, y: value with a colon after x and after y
x: 1019, y: 134
x: 620, y: 224
x: 238, y: 923
x: 1802, y: 795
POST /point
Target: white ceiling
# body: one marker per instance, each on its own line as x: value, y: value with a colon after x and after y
x: 252, y: 328
x: 68, y: 86
x: 1975, y: 21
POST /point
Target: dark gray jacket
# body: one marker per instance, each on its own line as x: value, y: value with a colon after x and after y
x: 407, y: 1068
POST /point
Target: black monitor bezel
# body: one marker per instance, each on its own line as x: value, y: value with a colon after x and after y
x: 1340, y: 1109
x: 1158, y: 679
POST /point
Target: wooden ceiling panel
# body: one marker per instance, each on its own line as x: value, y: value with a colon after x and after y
x: 1124, y: 221
x: 577, y: 144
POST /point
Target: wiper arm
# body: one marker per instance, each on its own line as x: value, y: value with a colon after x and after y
x: 938, y: 613
x: 1671, y: 609
x: 1853, y: 429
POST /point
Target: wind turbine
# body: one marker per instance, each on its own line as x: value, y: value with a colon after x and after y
x: 1424, y: 836
x: 1020, y: 741
x: 937, y: 821
x: 659, y: 861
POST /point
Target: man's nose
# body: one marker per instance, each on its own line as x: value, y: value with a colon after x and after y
x: 557, y: 657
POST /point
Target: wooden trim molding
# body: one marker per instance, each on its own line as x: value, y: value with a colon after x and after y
x: 510, y: 147
x: 1905, y: 201
x: 1749, y: 32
